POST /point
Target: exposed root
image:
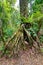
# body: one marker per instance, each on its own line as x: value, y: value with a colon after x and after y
x: 14, y: 43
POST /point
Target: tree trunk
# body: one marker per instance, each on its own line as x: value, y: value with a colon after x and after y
x: 24, y: 8
x: 24, y: 14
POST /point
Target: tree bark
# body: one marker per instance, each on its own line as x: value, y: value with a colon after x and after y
x: 24, y: 8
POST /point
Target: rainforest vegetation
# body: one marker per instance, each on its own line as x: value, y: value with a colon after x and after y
x: 20, y: 25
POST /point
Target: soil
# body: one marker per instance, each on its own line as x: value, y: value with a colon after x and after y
x: 26, y: 57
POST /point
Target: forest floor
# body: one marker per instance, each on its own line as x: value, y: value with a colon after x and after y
x: 26, y: 57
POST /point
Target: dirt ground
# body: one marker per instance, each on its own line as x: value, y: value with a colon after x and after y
x: 25, y: 58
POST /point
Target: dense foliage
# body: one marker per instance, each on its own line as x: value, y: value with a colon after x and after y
x: 10, y: 17
x: 10, y: 20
